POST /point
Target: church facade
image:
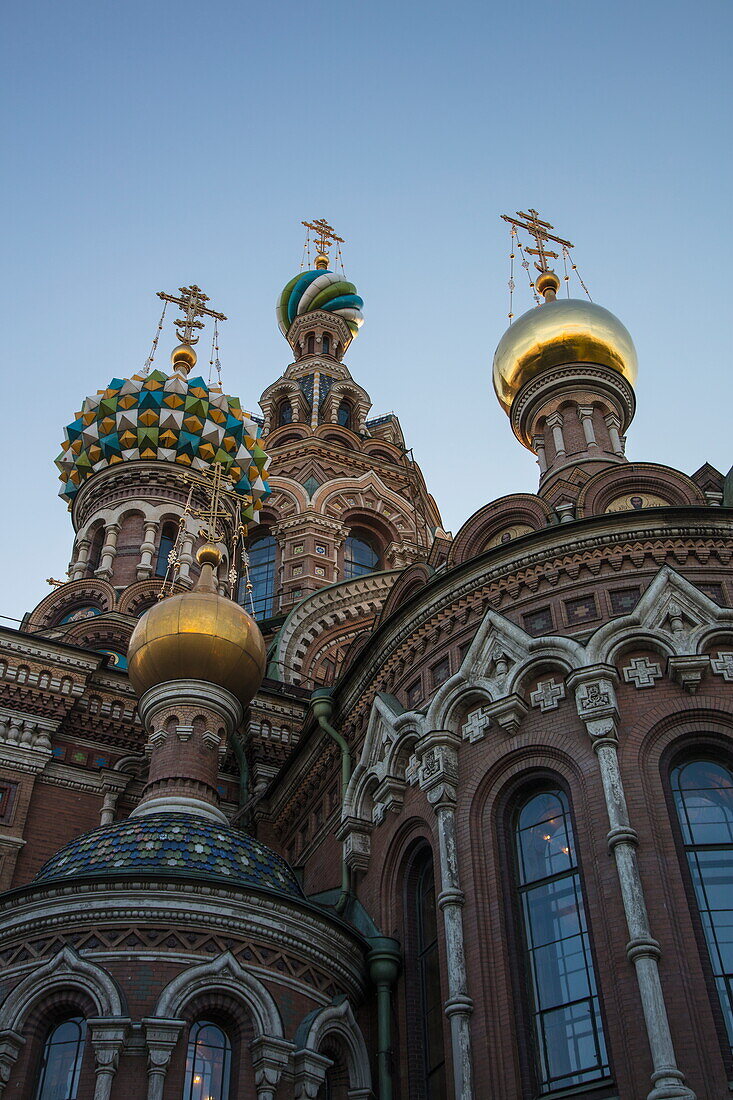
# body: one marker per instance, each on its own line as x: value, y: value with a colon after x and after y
x: 360, y: 808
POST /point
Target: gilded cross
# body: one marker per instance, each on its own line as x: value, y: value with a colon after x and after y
x: 532, y: 224
x: 325, y: 235
x: 222, y: 501
x: 192, y: 303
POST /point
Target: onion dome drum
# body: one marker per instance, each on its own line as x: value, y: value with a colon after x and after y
x: 558, y: 333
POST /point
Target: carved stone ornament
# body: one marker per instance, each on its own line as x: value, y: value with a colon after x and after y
x: 688, y: 671
x: 434, y: 766
x: 642, y: 672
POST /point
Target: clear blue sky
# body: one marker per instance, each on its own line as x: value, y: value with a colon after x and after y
x: 148, y: 145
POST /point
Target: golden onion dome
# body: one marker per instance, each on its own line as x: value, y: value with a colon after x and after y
x: 198, y: 635
x: 555, y: 334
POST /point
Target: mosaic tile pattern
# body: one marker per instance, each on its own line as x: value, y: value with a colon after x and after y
x: 165, y: 417
x: 175, y: 844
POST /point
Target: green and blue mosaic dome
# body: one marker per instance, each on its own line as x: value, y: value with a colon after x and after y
x: 319, y: 290
x: 165, y: 417
x: 172, y: 844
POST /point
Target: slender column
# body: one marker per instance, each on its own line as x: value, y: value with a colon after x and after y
x: 147, y: 549
x: 614, y: 424
x: 585, y: 415
x: 184, y: 573
x: 113, y: 784
x: 109, y: 550
x: 555, y: 422
x: 538, y: 444
x: 161, y: 1037
x: 595, y: 699
x: 79, y: 567
x: 108, y: 1040
x: 435, y: 767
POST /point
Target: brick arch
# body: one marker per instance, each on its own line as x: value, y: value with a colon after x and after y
x: 139, y: 596
x: 74, y: 594
x: 509, y: 511
x: 344, y: 437
x: 413, y: 833
x: 410, y: 581
x: 676, y: 488
x: 99, y: 631
x: 66, y: 975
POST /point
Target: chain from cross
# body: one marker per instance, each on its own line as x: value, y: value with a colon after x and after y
x: 540, y: 231
x: 191, y: 304
x: 325, y: 235
x: 223, y: 501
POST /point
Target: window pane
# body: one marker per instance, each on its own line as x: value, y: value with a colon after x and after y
x: 703, y: 791
x: 261, y: 554
x: 569, y: 1033
x: 207, y: 1063
x: 359, y: 557
x: 62, y: 1057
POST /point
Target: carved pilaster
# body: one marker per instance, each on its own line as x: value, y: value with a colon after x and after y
x: 11, y: 1044
x: 270, y: 1057
x: 108, y: 1037
x: 161, y: 1037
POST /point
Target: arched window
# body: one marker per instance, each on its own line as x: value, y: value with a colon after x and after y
x: 95, y: 551
x: 428, y: 980
x: 62, y: 1057
x: 310, y: 343
x: 360, y: 556
x: 167, y: 542
x: 343, y: 416
x: 567, y: 1031
x: 261, y: 552
x: 326, y: 344
x: 284, y: 412
x: 208, y: 1063
x: 703, y: 795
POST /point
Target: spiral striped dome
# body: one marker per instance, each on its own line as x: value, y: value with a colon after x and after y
x: 319, y: 290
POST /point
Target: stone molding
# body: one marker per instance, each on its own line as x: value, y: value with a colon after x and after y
x: 194, y: 693
x: 66, y: 970
x: 223, y: 973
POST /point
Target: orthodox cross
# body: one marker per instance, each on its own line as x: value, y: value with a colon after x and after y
x: 325, y: 235
x: 540, y: 230
x: 218, y: 486
x: 191, y: 304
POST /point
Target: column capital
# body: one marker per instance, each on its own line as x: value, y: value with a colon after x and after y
x: 595, y: 700
x: 270, y: 1056
x: 434, y: 767
x: 11, y: 1044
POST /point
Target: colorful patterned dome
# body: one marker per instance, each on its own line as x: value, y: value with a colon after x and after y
x: 172, y: 844
x: 165, y: 417
x: 319, y: 290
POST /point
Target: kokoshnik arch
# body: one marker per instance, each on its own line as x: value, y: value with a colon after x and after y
x: 303, y: 796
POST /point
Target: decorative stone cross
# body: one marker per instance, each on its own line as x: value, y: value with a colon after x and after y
x: 722, y: 665
x: 476, y: 724
x: 642, y: 672
x: 547, y: 695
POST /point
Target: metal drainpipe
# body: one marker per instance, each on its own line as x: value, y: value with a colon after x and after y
x: 322, y: 704
x: 384, y: 966
x: 243, y: 769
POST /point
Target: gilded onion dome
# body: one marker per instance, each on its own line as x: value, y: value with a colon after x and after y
x: 170, y: 418
x: 198, y: 635
x: 558, y: 333
x: 319, y: 289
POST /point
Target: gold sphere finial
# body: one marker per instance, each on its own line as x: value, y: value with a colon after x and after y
x: 208, y: 554
x: 184, y: 358
x: 547, y: 284
x: 321, y: 262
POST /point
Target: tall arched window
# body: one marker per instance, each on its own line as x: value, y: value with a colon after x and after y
x: 428, y: 977
x: 62, y: 1058
x: 326, y: 344
x: 310, y: 343
x: 208, y: 1063
x: 167, y: 542
x: 95, y: 551
x: 261, y: 551
x: 343, y: 416
x: 284, y: 412
x: 567, y: 1031
x: 360, y: 556
x: 703, y: 794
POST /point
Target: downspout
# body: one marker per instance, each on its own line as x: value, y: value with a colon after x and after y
x: 241, y: 758
x: 322, y: 704
x: 384, y: 966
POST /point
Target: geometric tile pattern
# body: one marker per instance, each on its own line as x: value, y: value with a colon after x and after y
x: 326, y: 290
x: 165, y: 417
x: 173, y: 844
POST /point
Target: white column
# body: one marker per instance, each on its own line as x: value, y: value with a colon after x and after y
x: 161, y: 1037
x: 595, y: 699
x: 147, y: 549
x: 614, y: 424
x: 538, y: 445
x: 184, y: 573
x: 585, y: 415
x: 555, y: 422
x: 108, y: 1040
x: 109, y: 550
x: 435, y: 767
x: 113, y: 784
x: 79, y: 567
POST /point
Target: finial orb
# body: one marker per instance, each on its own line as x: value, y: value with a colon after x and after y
x: 560, y: 333
x: 208, y: 553
x: 321, y: 262
x: 184, y: 355
x: 547, y: 281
